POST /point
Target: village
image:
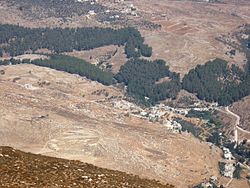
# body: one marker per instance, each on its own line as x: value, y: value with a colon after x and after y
x: 160, y: 113
x: 128, y: 9
x: 166, y: 115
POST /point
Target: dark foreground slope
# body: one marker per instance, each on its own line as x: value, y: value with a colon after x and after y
x: 20, y: 169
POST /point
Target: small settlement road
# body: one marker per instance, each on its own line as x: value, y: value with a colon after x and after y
x: 237, y: 123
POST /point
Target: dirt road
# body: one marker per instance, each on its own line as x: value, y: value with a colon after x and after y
x: 237, y: 123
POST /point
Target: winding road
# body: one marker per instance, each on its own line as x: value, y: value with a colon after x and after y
x: 237, y: 123
x: 236, y: 128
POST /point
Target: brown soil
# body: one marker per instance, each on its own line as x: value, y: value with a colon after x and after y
x: 229, y: 120
x: 20, y: 169
x: 187, y: 37
x: 242, y: 108
x: 117, y: 56
x: 26, y: 56
x: 13, y: 15
x: 189, y: 31
x: 61, y: 115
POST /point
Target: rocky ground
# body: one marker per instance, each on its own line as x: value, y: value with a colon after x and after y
x: 190, y: 29
x: 56, y: 114
x: 61, y: 115
x: 20, y: 169
x: 187, y: 36
x: 242, y: 108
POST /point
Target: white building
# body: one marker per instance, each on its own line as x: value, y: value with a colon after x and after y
x: 227, y: 154
x: 207, y: 185
x: 229, y: 170
x: 91, y: 13
x: 81, y: 1
x: 173, y: 125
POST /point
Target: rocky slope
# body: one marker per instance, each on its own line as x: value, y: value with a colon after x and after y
x: 61, y: 115
x: 20, y: 169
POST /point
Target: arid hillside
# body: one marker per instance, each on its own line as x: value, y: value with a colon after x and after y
x: 242, y: 108
x: 184, y: 33
x: 61, y: 115
x: 189, y: 31
x: 178, y: 140
x: 20, y: 169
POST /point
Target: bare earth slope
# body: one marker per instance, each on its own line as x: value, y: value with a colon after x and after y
x: 62, y: 115
x: 189, y: 30
x: 20, y: 169
x: 242, y: 108
x: 187, y: 36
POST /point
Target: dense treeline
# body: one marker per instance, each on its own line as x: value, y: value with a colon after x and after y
x: 135, y: 48
x: 18, y: 39
x: 216, y: 81
x: 71, y: 65
x: 141, y: 77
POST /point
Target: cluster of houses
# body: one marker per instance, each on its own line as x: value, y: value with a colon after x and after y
x: 154, y: 114
x: 229, y: 169
x: 173, y: 126
x: 158, y: 113
x: 227, y: 154
x: 116, y: 16
x: 182, y: 111
x: 211, y: 183
x: 163, y: 114
x: 130, y: 10
x: 91, y: 13
x: 207, y: 185
x: 229, y: 166
x: 92, y: 1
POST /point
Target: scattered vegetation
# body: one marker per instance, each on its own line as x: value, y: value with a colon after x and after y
x: 214, y: 138
x: 202, y: 186
x: 237, y: 171
x: 20, y: 169
x: 214, y: 82
x: 222, y: 166
x: 189, y: 127
x: 241, y: 152
x: 199, y: 114
x: 71, y: 65
x: 56, y: 8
